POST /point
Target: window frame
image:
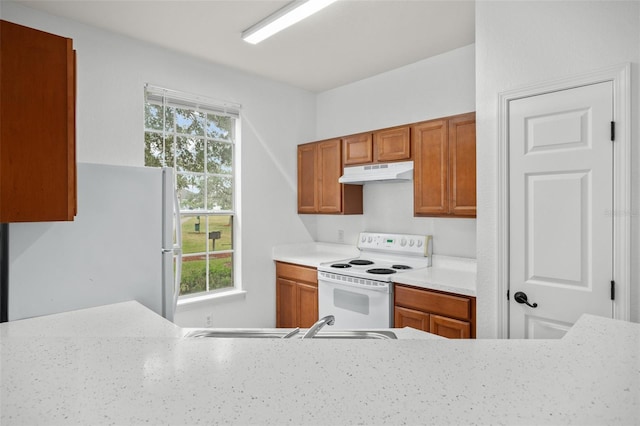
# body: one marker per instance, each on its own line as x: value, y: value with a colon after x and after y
x: 166, y: 98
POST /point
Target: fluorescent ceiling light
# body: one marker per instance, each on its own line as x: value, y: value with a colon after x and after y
x: 294, y: 12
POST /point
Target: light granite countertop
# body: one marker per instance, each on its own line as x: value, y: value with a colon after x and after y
x: 450, y: 274
x: 122, y: 364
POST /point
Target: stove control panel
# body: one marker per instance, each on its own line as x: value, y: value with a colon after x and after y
x: 417, y: 245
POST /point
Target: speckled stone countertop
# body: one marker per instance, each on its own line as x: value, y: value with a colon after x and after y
x: 108, y: 370
x: 451, y: 274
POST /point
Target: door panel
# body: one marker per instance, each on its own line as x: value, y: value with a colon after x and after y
x: 430, y: 183
x: 329, y: 171
x: 542, y: 328
x: 286, y: 303
x: 556, y: 209
x: 561, y: 180
x: 307, y: 178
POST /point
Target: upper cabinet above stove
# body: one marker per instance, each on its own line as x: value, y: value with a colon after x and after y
x: 319, y: 168
x: 381, y: 146
x: 443, y: 151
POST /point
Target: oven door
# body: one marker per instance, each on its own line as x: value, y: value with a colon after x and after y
x: 356, y: 306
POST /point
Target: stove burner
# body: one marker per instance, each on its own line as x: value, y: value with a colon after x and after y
x: 401, y: 267
x: 340, y: 265
x: 361, y: 262
x: 381, y: 271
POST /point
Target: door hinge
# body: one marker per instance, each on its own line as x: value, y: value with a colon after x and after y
x: 613, y: 131
x: 613, y: 290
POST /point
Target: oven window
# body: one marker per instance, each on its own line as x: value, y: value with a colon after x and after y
x: 348, y: 300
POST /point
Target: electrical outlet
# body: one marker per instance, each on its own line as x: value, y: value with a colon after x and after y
x: 208, y: 321
x: 340, y: 235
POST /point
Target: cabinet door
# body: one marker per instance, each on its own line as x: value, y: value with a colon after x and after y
x: 404, y: 317
x: 307, y: 305
x: 286, y: 303
x: 393, y: 144
x: 329, y: 171
x: 431, y: 191
x: 462, y: 165
x: 37, y: 136
x: 449, y: 327
x: 358, y: 149
x: 307, y: 178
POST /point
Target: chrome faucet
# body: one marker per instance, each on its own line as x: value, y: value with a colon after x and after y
x: 328, y: 320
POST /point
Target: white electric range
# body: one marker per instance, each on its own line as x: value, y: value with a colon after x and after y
x: 358, y: 292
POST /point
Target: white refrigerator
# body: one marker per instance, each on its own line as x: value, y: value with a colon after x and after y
x: 120, y: 247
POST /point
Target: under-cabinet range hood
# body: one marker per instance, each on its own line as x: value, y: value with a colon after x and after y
x: 381, y: 172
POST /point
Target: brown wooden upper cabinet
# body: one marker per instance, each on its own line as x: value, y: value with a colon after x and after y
x: 37, y: 134
x: 319, y: 168
x: 358, y: 149
x: 445, y: 166
x: 393, y: 144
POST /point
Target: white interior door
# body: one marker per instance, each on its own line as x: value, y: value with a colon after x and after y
x: 561, y: 198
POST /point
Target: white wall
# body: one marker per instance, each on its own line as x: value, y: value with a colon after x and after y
x: 112, y: 71
x: 436, y: 87
x: 520, y: 43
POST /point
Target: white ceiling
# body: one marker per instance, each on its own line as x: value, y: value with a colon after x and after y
x: 348, y: 41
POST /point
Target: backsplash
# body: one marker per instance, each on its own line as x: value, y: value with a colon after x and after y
x: 388, y: 207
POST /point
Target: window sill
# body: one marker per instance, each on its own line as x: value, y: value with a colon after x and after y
x: 220, y: 297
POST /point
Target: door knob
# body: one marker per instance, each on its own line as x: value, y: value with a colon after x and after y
x: 520, y: 297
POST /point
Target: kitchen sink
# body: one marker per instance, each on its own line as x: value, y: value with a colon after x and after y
x: 280, y: 333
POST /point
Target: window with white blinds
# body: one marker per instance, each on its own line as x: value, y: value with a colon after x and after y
x: 198, y: 138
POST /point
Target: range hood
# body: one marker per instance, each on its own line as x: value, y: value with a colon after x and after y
x: 381, y: 172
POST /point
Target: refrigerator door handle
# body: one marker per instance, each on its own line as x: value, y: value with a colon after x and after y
x: 177, y: 250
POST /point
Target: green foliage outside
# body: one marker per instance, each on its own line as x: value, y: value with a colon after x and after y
x: 194, y: 267
x: 193, y: 274
x: 199, y: 145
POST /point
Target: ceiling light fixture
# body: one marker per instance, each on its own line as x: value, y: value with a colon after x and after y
x: 293, y: 12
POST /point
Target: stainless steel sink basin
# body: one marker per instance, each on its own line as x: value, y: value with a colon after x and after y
x: 280, y: 333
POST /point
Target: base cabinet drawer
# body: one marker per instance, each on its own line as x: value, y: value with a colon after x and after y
x: 445, y: 314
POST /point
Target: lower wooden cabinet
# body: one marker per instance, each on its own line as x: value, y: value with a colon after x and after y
x: 296, y: 295
x: 445, y: 314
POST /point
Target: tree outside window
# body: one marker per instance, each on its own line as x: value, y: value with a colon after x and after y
x: 198, y: 141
